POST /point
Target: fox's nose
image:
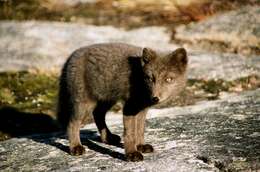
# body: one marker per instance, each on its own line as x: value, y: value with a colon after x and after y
x: 155, y: 100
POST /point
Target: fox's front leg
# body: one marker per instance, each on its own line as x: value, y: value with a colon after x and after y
x: 130, y: 138
x: 141, y: 146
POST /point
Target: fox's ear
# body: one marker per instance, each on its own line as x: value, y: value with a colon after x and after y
x: 179, y: 57
x: 148, y: 55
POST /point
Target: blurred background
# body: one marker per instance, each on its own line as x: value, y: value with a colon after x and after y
x: 36, y: 37
x: 120, y: 13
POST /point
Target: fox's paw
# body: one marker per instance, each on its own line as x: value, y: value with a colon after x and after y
x: 113, y: 139
x: 134, y: 156
x: 77, y: 150
x: 146, y: 148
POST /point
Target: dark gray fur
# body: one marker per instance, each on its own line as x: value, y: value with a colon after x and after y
x: 95, y: 77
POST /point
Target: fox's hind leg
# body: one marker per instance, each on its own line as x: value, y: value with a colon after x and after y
x: 76, y: 147
x: 99, y: 114
x: 80, y: 110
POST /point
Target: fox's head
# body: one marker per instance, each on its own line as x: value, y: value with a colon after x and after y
x: 164, y: 75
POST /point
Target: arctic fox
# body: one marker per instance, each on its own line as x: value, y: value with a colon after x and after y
x: 95, y: 77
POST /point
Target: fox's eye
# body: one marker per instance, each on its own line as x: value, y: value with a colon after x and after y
x: 169, y: 80
x: 151, y: 79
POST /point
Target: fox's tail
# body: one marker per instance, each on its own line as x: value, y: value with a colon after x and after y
x: 65, y: 105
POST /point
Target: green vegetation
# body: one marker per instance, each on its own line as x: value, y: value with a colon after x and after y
x: 37, y: 93
x: 28, y: 92
x: 211, y: 89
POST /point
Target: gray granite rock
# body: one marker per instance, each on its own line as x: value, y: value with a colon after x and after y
x: 226, y: 66
x: 210, y: 136
x: 238, y: 31
x: 44, y: 46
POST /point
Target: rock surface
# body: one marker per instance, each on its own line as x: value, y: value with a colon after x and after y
x: 226, y: 66
x: 44, y: 46
x: 238, y: 30
x: 210, y: 136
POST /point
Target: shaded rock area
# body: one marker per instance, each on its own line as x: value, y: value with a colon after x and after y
x: 44, y: 46
x: 236, y: 31
x: 210, y: 136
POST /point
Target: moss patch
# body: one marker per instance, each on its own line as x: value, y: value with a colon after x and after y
x: 28, y: 92
x: 37, y: 93
x: 212, y: 89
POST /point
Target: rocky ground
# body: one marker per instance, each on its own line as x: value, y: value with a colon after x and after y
x: 43, y: 46
x: 220, y: 135
x: 214, y: 128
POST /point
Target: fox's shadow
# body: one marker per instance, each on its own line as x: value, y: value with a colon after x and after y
x: 44, y: 129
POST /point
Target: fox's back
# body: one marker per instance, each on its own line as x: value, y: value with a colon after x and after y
x: 104, y: 69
